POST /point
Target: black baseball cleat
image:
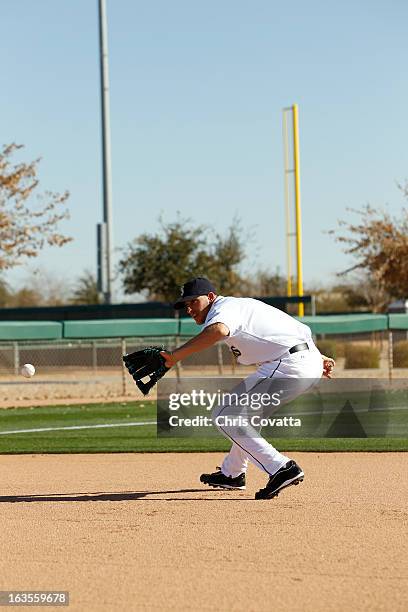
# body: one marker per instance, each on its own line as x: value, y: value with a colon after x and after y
x: 289, y: 474
x: 217, y: 479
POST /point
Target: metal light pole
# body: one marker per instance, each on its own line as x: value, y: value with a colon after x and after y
x: 104, y: 235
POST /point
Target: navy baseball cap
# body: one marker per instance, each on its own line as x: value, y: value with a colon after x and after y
x: 192, y: 289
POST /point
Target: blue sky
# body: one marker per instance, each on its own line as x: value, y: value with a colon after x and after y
x: 197, y: 91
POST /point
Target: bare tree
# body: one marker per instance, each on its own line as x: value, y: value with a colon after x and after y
x: 42, y: 288
x: 25, y: 227
x: 379, y: 245
x: 4, y: 293
x: 267, y: 283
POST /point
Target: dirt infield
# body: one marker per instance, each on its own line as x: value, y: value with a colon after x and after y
x: 138, y: 532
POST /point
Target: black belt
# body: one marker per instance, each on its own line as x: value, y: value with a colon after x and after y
x: 299, y: 347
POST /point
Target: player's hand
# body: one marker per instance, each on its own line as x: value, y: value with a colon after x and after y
x: 170, y: 359
x: 328, y: 366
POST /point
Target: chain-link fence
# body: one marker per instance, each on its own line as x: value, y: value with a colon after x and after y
x: 92, y: 369
x: 98, y: 355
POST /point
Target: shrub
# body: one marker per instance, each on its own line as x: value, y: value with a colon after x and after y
x: 358, y: 356
x: 341, y: 349
x: 400, y: 354
x: 327, y: 347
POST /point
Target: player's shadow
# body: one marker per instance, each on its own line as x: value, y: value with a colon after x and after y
x: 122, y: 496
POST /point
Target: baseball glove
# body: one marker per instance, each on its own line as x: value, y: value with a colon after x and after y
x: 146, y: 363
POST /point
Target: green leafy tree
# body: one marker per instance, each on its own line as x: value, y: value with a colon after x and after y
x: 86, y: 290
x: 26, y: 225
x: 227, y: 253
x: 159, y: 264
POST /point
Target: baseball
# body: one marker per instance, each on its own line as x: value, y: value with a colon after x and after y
x: 28, y: 370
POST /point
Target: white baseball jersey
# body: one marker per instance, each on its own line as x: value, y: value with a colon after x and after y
x: 257, y: 332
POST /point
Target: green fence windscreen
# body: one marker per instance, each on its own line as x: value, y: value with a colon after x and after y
x: 346, y: 324
x: 127, y: 328
x: 398, y: 321
x: 120, y: 328
x: 30, y: 330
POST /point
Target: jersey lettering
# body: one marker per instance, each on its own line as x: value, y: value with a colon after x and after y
x: 236, y: 352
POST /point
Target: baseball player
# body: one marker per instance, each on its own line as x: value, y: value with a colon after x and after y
x: 280, y: 347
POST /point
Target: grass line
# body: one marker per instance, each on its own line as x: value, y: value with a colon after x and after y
x: 111, y: 428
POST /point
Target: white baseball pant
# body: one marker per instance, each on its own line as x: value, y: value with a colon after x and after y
x: 305, y: 369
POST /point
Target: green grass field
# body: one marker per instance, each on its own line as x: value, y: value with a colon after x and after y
x: 89, y: 434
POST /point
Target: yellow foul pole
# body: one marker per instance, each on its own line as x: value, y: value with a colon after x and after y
x: 287, y: 212
x: 301, y: 309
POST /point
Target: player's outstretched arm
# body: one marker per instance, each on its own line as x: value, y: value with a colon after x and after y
x: 209, y: 336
